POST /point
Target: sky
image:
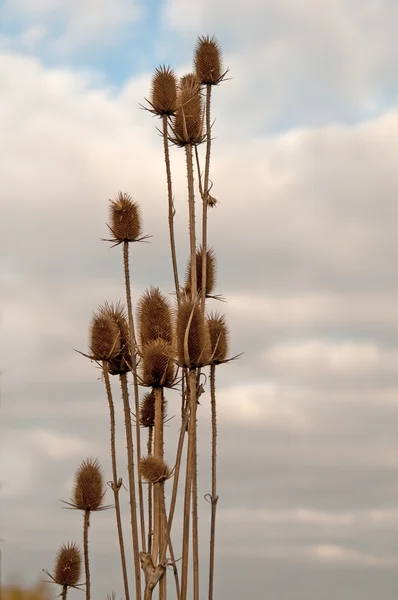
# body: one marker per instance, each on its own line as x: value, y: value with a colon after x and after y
x: 305, y: 169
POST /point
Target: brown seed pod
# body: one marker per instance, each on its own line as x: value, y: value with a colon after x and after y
x: 207, y: 60
x: 122, y: 362
x: 104, y: 337
x: 154, y: 317
x: 68, y: 565
x: 147, y: 410
x: 89, y: 490
x: 125, y: 219
x: 219, y: 335
x: 193, y: 342
x: 188, y: 120
x: 164, y: 91
x: 158, y: 368
x: 154, y: 469
x: 210, y: 272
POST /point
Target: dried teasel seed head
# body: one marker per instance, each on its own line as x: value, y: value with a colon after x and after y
x: 188, y: 120
x: 158, y: 368
x: 154, y: 317
x: 122, y: 362
x: 147, y: 409
x: 207, y: 60
x: 104, y: 336
x: 68, y: 565
x: 210, y: 272
x: 125, y: 219
x: 154, y: 469
x: 193, y: 342
x: 219, y: 335
x: 164, y: 91
x: 89, y: 490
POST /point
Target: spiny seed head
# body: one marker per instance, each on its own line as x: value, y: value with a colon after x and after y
x: 210, y: 272
x: 158, y: 369
x: 193, y: 342
x: 89, y: 490
x: 154, y: 317
x: 154, y: 469
x: 207, y: 60
x: 147, y: 409
x: 125, y: 219
x: 104, y: 336
x: 188, y: 121
x: 122, y: 362
x: 68, y: 565
x: 164, y: 91
x: 219, y: 335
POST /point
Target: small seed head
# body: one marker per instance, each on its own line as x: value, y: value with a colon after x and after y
x: 147, y: 410
x: 210, y: 272
x: 154, y: 469
x: 122, y: 362
x: 207, y: 60
x: 154, y: 317
x: 193, y: 342
x: 158, y: 369
x: 164, y: 91
x: 125, y: 219
x: 104, y: 337
x: 68, y: 565
x: 219, y: 335
x: 89, y: 490
x: 188, y: 121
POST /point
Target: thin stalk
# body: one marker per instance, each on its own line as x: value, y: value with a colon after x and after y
x: 191, y: 203
x: 86, y: 525
x: 64, y: 592
x: 133, y: 345
x: 167, y: 542
x: 130, y: 469
x: 115, y: 482
x: 194, y: 475
x: 159, y: 525
x: 150, y: 494
x: 205, y: 196
x: 177, y: 468
x: 171, y: 205
x: 214, y: 497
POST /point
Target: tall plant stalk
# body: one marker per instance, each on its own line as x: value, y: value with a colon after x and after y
x: 214, y: 497
x: 205, y: 196
x: 170, y: 204
x: 86, y: 525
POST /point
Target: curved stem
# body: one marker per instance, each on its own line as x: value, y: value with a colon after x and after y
x: 115, y: 482
x: 130, y: 468
x: 133, y: 347
x: 171, y: 206
x: 205, y: 197
x: 214, y: 497
x: 191, y: 203
x: 86, y: 525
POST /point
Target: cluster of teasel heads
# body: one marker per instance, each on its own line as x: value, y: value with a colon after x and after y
x: 161, y: 345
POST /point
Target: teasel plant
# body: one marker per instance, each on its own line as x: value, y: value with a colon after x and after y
x: 162, y: 345
x: 67, y: 569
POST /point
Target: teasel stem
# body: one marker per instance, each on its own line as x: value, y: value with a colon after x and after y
x: 64, y: 592
x: 194, y: 474
x: 115, y: 483
x: 86, y: 525
x: 133, y: 344
x: 214, y: 497
x: 177, y: 467
x: 150, y: 494
x: 205, y: 195
x: 191, y: 202
x: 159, y: 516
x: 130, y: 468
x: 171, y: 204
x: 168, y: 542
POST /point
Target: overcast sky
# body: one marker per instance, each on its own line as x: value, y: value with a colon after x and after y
x: 305, y: 166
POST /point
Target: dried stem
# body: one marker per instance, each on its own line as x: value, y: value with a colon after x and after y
x: 191, y: 202
x: 86, y: 525
x: 159, y: 524
x: 167, y: 542
x: 194, y: 475
x: 171, y: 205
x: 64, y: 592
x: 133, y: 345
x: 150, y: 493
x: 177, y: 468
x: 214, y: 497
x: 130, y: 468
x: 205, y: 195
x: 115, y: 483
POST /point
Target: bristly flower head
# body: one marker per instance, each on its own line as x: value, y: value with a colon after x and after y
x: 210, y: 272
x: 164, y: 92
x: 68, y: 565
x: 207, y: 61
x: 188, y: 121
x: 158, y: 368
x: 154, y: 317
x: 122, y: 362
x: 219, y: 335
x: 193, y: 342
x: 104, y: 336
x: 147, y: 409
x: 153, y: 469
x: 89, y: 490
x: 125, y: 219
